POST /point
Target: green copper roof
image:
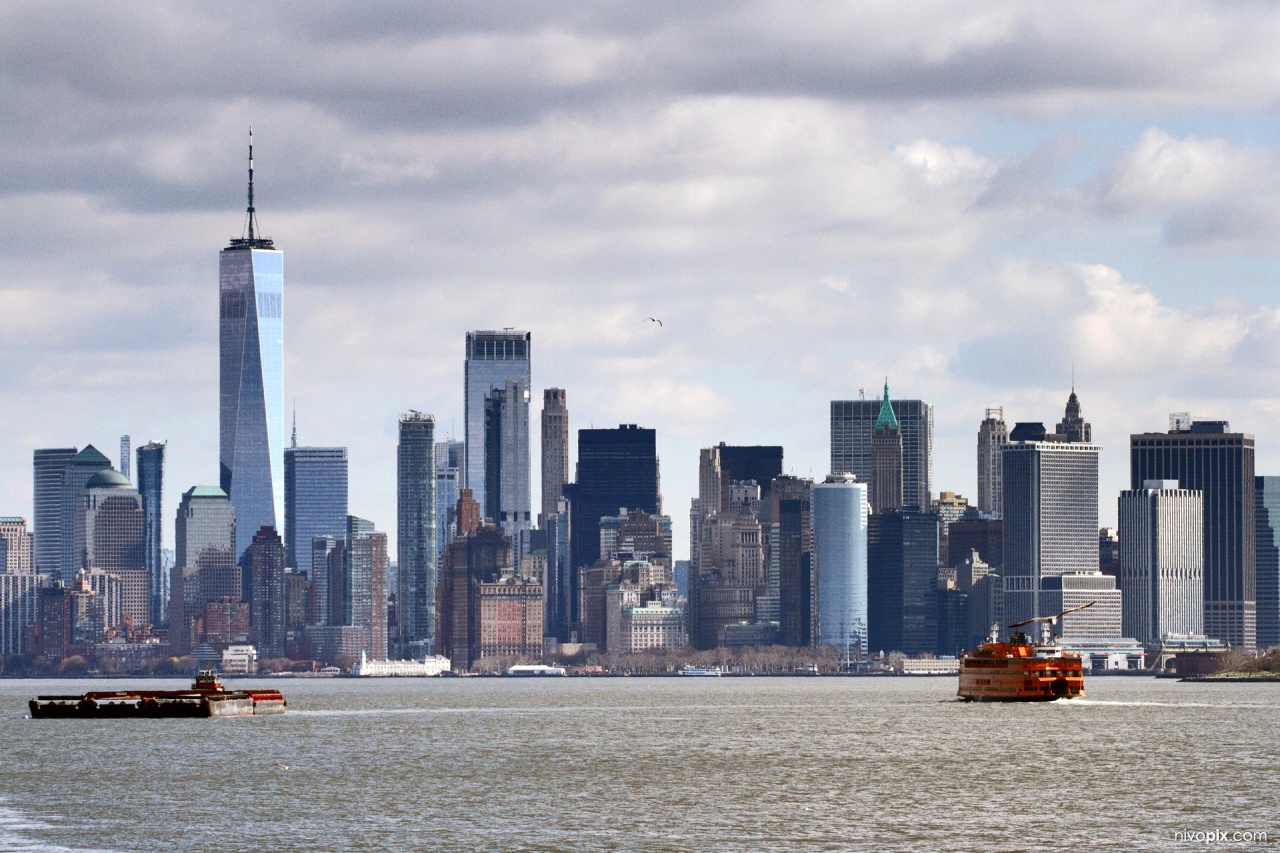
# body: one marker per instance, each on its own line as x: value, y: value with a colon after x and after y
x: 108, y: 479
x: 206, y: 492
x: 90, y: 456
x: 886, y: 418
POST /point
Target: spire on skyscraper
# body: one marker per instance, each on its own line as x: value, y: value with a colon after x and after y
x: 253, y: 240
x: 294, y: 442
x: 886, y: 417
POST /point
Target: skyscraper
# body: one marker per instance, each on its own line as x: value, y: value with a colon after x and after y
x: 992, y: 437
x: 107, y: 534
x: 416, y: 534
x: 315, y: 499
x: 365, y: 585
x: 840, y: 512
x: 50, y: 468
x: 853, y: 428
x: 204, y: 567
x: 492, y: 359
x: 448, y: 487
x: 902, y: 579
x: 264, y: 563
x: 124, y: 456
x: 1267, y: 511
x: 555, y: 451
x: 887, y: 494
x: 15, y: 546
x: 506, y: 463
x: 79, y: 471
x: 1203, y: 455
x: 151, y: 487
x: 1161, y: 561
x: 251, y: 368
x: 793, y: 555
x: 1050, y: 523
x: 617, y: 469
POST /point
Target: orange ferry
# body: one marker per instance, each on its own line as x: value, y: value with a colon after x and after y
x: 1019, y: 670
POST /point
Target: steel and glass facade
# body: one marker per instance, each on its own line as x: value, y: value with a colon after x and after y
x: 492, y: 360
x: 204, y: 566
x: 840, y: 511
x: 151, y: 487
x: 853, y: 425
x: 315, y: 499
x: 1267, y: 510
x: 50, y: 466
x: 416, y: 534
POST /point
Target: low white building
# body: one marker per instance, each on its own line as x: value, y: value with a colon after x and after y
x: 240, y: 660
x: 928, y: 666
x: 427, y: 666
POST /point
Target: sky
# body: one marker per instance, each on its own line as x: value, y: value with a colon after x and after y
x: 977, y: 201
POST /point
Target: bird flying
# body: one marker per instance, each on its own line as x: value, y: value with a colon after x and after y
x: 654, y: 319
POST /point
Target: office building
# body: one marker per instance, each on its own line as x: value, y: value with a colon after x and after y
x: 791, y: 554
x: 365, y: 584
x: 315, y: 499
x: 49, y: 473
x: 886, y: 459
x: 506, y: 464
x: 730, y: 576
x: 204, y: 567
x: 840, y: 511
x: 265, y: 564
x: 475, y: 557
x: 107, y: 534
x: 974, y: 533
x: 19, y: 610
x: 151, y: 488
x: 617, y: 469
x: 1102, y: 619
x: 79, y: 471
x: 417, y: 535
x: 950, y: 508
x: 1161, y: 573
x: 492, y: 360
x: 1267, y: 520
x: 1050, y: 524
x: 1206, y: 457
x: 558, y: 585
x: 992, y: 437
x: 853, y: 430
x: 125, y: 452
x: 449, y: 460
x: 251, y: 383
x: 555, y: 451
x: 902, y: 580
x: 510, y: 617
x: 15, y: 546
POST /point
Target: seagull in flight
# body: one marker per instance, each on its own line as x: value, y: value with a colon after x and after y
x: 654, y: 319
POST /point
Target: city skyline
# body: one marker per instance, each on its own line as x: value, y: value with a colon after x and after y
x: 998, y: 230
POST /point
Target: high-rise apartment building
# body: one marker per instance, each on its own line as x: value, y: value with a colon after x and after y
x: 265, y: 563
x: 1050, y: 525
x: 19, y: 610
x: 506, y: 464
x: 555, y: 451
x: 107, y: 534
x: 315, y: 499
x: 204, y: 567
x: 365, y: 584
x: 853, y: 430
x: 79, y: 471
x: 992, y: 437
x: 1267, y: 519
x: 902, y: 580
x: 1161, y: 561
x: 840, y: 513
x: 251, y: 370
x: 125, y: 443
x: 50, y: 467
x: 151, y: 488
x: 15, y: 546
x: 417, y: 534
x: 492, y: 359
x: 1204, y: 456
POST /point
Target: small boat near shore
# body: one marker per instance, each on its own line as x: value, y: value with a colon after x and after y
x: 206, y: 698
x: 703, y: 671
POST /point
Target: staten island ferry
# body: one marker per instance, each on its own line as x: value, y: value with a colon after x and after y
x: 1019, y: 670
x: 206, y: 698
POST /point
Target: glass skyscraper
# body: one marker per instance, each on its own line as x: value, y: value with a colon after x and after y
x: 50, y: 468
x: 151, y: 486
x: 315, y: 499
x: 416, y: 534
x: 251, y: 407
x: 493, y: 359
x: 840, y: 512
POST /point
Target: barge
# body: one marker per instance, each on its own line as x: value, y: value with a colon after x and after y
x: 206, y: 698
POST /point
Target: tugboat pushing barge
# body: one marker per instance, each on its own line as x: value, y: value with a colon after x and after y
x: 206, y: 698
x: 1022, y: 671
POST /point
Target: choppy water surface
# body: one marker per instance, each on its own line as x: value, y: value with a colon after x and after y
x: 650, y: 764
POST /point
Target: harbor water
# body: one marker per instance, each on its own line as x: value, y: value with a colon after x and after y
x: 720, y: 764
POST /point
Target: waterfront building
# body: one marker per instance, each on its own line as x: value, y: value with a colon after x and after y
x: 19, y: 610
x: 1102, y: 620
x: 1050, y: 524
x: 886, y: 459
x: 902, y: 580
x: 617, y: 468
x: 151, y: 488
x: 558, y: 583
x: 506, y: 464
x: 1267, y: 520
x: 336, y: 645
x: 364, y: 588
x: 853, y: 431
x: 251, y: 377
x: 49, y: 472
x: 1205, y: 456
x: 555, y: 451
x: 78, y: 472
x: 315, y: 498
x: 840, y: 511
x: 15, y: 546
x: 1161, y: 572
x: 417, y: 534
x: 510, y: 611
x: 265, y: 565
x: 730, y: 576
x: 204, y: 567
x: 791, y: 557
x: 492, y: 359
x: 107, y: 534
x: 654, y: 625
x: 477, y: 556
x: 992, y: 437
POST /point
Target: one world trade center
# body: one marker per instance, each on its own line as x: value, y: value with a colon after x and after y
x: 251, y: 405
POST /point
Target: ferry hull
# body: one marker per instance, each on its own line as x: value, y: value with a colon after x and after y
x: 1013, y: 685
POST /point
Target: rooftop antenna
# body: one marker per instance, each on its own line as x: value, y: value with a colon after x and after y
x: 253, y: 240
x: 295, y: 423
x: 253, y: 217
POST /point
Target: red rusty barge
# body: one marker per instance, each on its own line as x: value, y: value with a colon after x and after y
x: 206, y: 698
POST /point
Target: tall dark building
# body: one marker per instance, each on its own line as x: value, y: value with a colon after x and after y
x: 902, y: 580
x: 1204, y: 455
x: 740, y: 463
x: 973, y: 533
x: 886, y: 459
x: 151, y: 488
x: 793, y: 498
x: 315, y: 499
x: 617, y: 469
x: 853, y: 429
x: 472, y: 559
x: 555, y: 451
x: 264, y: 568
x: 50, y: 471
x: 1267, y: 510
